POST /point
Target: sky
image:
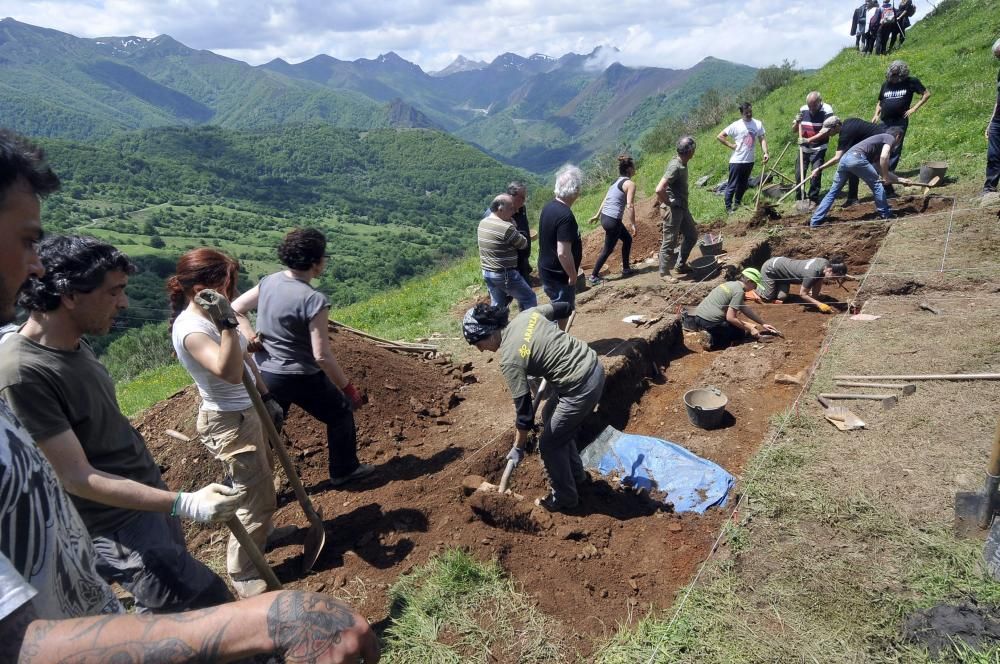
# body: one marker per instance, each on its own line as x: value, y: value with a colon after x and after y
x: 431, y: 33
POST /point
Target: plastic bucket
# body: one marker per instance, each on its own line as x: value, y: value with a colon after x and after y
x: 705, y: 406
x: 710, y: 245
x: 933, y: 168
x: 704, y: 267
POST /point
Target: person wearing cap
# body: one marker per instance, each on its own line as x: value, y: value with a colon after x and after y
x: 860, y: 160
x: 993, y: 138
x: 533, y: 345
x: 719, y: 317
x: 779, y: 273
x: 808, y: 124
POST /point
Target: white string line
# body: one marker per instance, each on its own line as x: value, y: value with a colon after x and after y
x: 761, y: 455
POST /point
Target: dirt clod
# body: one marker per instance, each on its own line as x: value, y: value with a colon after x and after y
x: 938, y: 627
x: 503, y: 512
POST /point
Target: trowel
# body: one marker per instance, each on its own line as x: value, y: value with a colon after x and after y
x: 974, y: 512
x: 840, y: 416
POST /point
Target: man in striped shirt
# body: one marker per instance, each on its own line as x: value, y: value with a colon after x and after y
x: 499, y: 242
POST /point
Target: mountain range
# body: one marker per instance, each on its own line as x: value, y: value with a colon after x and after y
x: 532, y: 112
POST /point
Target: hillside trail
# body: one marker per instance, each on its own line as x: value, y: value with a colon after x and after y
x: 431, y: 422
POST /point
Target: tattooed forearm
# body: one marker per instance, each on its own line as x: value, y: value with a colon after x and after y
x: 167, y: 651
x: 304, y: 626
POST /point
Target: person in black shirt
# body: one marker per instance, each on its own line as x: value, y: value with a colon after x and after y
x: 852, y: 131
x: 519, y: 192
x: 993, y: 136
x: 894, y: 98
x: 858, y: 24
x: 560, y: 249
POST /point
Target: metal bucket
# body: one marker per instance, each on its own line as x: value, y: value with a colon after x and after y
x: 710, y: 245
x: 932, y: 168
x: 704, y: 267
x: 705, y: 406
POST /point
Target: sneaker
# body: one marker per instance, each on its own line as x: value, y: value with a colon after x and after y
x: 550, y: 504
x: 850, y: 202
x: 278, y: 534
x: 363, y: 470
x: 248, y: 588
x: 627, y: 272
x: 683, y: 268
x: 594, y: 281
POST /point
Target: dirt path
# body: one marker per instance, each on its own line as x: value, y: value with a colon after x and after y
x: 430, y: 423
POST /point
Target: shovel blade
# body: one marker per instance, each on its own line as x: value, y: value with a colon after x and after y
x: 315, y: 541
x: 968, y: 506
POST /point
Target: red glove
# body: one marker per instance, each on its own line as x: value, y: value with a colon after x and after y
x: 352, y: 393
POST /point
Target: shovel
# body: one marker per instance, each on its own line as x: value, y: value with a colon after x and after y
x: 242, y: 536
x: 802, y: 205
x: 539, y: 397
x: 316, y: 536
x: 839, y: 416
x: 974, y: 511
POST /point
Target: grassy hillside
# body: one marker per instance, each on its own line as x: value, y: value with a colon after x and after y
x: 948, y: 51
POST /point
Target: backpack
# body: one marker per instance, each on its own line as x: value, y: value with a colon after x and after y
x: 888, y: 16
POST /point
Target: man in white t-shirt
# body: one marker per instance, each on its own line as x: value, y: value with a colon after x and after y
x: 51, y: 597
x: 745, y: 132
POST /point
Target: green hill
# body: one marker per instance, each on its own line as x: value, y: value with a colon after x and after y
x: 949, y: 51
x: 395, y: 203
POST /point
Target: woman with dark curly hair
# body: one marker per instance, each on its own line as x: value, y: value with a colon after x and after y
x: 294, y: 354
x: 533, y: 345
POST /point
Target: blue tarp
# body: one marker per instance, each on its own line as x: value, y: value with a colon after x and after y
x: 692, y: 484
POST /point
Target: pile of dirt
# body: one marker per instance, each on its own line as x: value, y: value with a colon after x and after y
x: 942, y: 627
x: 407, y: 395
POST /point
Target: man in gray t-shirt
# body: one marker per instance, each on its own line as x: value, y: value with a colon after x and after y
x: 719, y: 317
x: 779, y: 273
x: 861, y: 161
x: 678, y: 224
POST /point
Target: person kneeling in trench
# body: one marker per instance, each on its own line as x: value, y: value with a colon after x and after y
x: 779, y: 273
x: 533, y: 345
x: 719, y: 316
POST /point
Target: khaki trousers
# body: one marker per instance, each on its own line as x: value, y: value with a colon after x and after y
x: 236, y: 438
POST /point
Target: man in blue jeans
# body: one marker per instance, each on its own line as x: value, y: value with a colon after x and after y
x: 499, y: 243
x: 993, y: 138
x: 859, y: 161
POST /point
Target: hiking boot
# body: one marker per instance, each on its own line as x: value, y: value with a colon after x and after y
x: 550, y: 504
x: 683, y: 268
x: 704, y: 340
x: 850, y: 202
x: 627, y: 272
x: 594, y: 281
x: 248, y: 588
x: 278, y: 534
x: 363, y: 470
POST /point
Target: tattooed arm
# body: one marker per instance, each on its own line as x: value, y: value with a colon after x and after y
x: 300, y: 626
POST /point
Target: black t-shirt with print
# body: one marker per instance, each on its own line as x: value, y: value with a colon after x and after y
x: 895, y: 98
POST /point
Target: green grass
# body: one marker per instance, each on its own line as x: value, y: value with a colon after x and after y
x: 150, y: 387
x: 456, y: 609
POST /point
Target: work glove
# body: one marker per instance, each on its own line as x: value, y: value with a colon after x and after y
x: 803, y: 140
x: 515, y: 455
x: 215, y: 502
x: 275, y: 410
x: 351, y: 392
x: 217, y: 307
x: 825, y: 308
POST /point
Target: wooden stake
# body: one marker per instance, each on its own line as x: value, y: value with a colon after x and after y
x: 968, y: 376
x: 907, y: 388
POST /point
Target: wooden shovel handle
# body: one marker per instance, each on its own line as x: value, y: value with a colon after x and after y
x: 994, y: 467
x: 250, y: 548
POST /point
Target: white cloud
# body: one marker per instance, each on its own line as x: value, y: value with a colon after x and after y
x: 664, y: 33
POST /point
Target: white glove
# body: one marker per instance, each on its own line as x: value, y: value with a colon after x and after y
x: 215, y: 502
x: 516, y: 455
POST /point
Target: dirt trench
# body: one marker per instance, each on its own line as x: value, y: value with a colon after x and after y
x: 430, y: 423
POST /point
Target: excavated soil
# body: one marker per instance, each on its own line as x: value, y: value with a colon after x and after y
x: 430, y: 423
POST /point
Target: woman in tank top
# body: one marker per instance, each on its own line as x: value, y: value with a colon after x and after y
x: 227, y: 423
x: 618, y: 206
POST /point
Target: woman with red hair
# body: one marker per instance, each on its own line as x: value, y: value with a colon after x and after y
x: 227, y: 424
